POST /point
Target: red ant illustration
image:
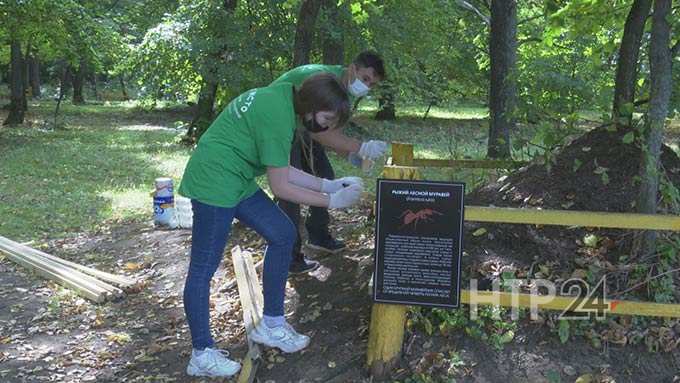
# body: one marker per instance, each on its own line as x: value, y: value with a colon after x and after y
x: 420, y: 215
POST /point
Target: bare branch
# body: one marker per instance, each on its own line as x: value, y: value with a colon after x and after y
x: 529, y: 19
x: 470, y: 7
x: 529, y: 40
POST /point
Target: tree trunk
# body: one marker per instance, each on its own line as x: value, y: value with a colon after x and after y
x: 93, y: 83
x: 660, y: 94
x: 18, y: 96
x: 333, y: 33
x: 230, y: 5
x: 123, y: 88
x: 304, y: 31
x: 78, y: 81
x: 25, y: 82
x: 204, y: 111
x: 386, y: 108
x: 627, y: 63
x: 63, y: 89
x: 34, y: 76
x: 503, y: 91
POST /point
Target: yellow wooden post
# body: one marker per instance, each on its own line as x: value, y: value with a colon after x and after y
x: 402, y: 154
x: 386, y: 331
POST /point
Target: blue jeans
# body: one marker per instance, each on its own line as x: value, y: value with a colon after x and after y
x: 211, y: 227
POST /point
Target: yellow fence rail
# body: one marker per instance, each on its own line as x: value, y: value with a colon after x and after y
x: 387, y: 321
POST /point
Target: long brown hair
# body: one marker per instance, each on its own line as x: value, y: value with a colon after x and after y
x: 323, y: 92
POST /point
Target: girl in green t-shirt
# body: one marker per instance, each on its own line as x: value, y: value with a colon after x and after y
x: 251, y: 137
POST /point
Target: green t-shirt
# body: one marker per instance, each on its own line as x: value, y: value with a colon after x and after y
x: 297, y: 75
x: 253, y: 132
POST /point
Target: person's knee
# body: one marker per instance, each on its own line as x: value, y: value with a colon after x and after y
x: 285, y: 236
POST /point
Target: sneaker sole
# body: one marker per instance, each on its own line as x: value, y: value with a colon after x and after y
x: 324, y: 249
x: 255, y: 338
x: 193, y: 371
x: 304, y: 271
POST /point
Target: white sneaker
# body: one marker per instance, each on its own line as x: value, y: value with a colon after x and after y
x: 213, y: 363
x: 283, y: 337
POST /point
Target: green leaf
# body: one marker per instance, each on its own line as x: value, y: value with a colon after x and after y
x: 478, y: 232
x: 563, y: 331
x: 507, y: 337
x: 428, y: 326
x: 628, y: 138
x: 605, y: 178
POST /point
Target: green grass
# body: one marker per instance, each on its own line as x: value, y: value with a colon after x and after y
x: 99, y: 168
x: 101, y: 165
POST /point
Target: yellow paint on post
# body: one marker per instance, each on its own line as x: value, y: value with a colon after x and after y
x: 572, y: 218
x: 401, y: 172
x: 386, y: 331
x: 402, y: 154
x: 385, y: 338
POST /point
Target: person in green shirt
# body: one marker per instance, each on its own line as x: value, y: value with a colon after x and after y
x: 252, y: 137
x: 308, y: 151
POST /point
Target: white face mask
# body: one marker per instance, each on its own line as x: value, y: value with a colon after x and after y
x: 358, y: 88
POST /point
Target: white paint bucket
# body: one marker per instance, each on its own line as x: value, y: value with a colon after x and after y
x: 163, y: 201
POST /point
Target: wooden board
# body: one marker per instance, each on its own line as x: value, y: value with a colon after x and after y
x: 119, y: 280
x: 64, y: 272
x: 252, y: 303
x: 572, y: 218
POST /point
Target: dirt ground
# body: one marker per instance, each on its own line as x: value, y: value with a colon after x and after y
x: 50, y: 335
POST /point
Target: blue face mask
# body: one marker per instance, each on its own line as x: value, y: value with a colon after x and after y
x: 358, y: 88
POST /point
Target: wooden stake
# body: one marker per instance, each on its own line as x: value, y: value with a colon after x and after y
x: 386, y: 331
x: 252, y: 303
x: 402, y: 154
x: 385, y: 338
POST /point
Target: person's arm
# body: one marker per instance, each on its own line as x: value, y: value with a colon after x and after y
x: 304, y: 180
x: 283, y: 188
x: 341, y: 196
x: 338, y: 141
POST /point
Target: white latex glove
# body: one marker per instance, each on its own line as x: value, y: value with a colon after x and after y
x: 345, y: 197
x: 332, y: 186
x: 373, y: 149
x: 354, y: 159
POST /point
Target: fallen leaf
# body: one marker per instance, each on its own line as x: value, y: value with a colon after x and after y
x: 478, y: 232
x: 132, y: 266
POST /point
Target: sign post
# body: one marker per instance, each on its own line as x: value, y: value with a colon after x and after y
x: 388, y: 319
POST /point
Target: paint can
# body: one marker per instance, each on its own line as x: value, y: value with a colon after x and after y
x: 163, y: 201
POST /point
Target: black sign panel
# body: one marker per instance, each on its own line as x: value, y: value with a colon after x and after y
x: 418, y: 242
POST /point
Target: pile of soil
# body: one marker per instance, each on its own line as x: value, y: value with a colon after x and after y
x: 595, y: 172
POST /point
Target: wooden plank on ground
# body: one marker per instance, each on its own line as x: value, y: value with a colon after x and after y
x: 252, y: 302
x: 64, y: 271
x: 120, y: 280
x: 90, y: 292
